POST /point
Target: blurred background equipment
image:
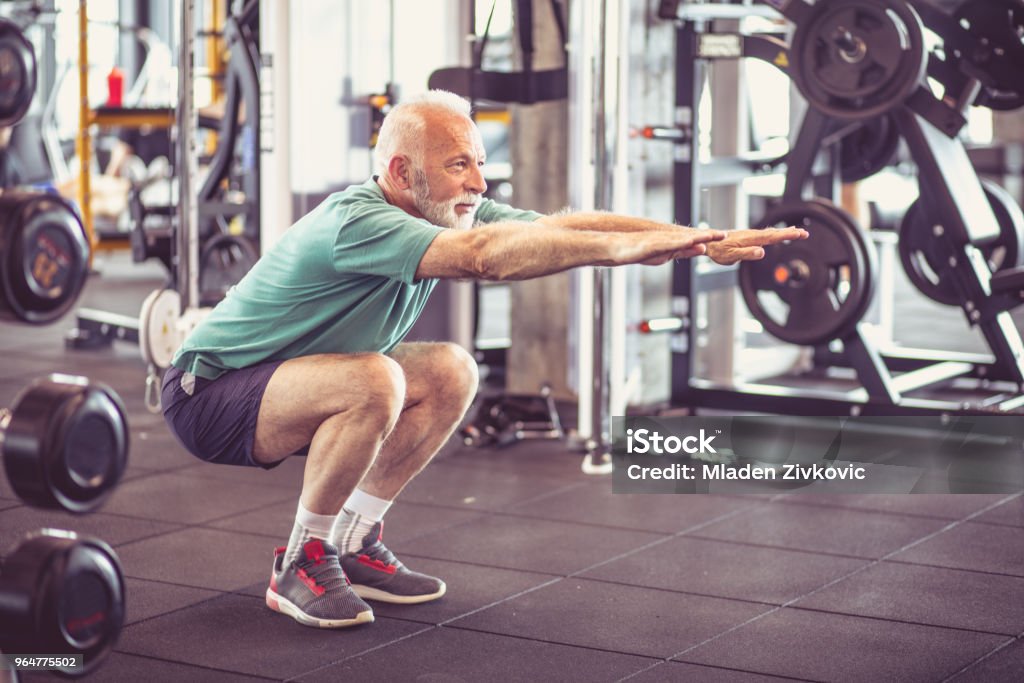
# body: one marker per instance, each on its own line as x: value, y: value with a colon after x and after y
x: 44, y: 256
x: 17, y: 74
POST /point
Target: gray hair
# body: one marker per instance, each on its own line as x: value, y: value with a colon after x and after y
x: 404, y: 128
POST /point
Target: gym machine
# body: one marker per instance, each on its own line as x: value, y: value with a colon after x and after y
x: 505, y: 418
x: 228, y: 204
x: 862, y: 64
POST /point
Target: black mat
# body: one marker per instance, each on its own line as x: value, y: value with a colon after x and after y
x: 550, y: 576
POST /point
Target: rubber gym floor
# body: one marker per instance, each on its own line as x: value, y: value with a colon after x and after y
x: 550, y: 576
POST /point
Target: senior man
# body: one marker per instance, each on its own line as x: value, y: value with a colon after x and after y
x: 305, y: 354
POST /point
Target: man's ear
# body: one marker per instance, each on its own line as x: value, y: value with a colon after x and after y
x: 400, y: 171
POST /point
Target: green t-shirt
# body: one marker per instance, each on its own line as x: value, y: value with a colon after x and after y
x: 341, y: 280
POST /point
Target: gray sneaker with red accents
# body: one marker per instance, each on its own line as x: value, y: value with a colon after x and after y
x: 376, y: 574
x: 313, y: 589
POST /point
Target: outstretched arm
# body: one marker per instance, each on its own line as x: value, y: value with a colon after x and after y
x: 738, y: 245
x: 520, y: 251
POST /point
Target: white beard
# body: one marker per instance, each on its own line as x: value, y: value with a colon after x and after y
x: 442, y: 213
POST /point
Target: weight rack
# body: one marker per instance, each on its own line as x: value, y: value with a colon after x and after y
x: 883, y: 377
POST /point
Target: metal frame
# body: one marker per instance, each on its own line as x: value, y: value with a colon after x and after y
x: 974, y: 384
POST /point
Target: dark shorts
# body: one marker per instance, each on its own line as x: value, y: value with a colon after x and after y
x: 216, y: 420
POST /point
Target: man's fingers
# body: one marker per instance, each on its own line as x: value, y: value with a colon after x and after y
x: 696, y: 250
x: 776, y: 235
x: 709, y: 235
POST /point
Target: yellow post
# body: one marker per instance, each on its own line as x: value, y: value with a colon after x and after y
x: 215, y: 51
x: 84, y: 121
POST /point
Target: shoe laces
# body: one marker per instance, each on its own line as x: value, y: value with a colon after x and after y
x: 378, y: 551
x: 327, y: 573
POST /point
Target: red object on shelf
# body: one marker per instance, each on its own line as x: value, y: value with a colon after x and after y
x: 115, y: 87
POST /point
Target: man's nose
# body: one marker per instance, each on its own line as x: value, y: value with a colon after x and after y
x: 476, y: 183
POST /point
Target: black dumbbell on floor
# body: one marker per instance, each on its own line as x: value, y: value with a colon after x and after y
x: 64, y: 443
x: 61, y: 594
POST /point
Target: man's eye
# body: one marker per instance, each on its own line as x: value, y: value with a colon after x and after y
x: 459, y: 165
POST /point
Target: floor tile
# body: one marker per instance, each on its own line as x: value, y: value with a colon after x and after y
x: 1010, y: 513
x: 533, y: 545
x: 239, y: 633
x: 598, y: 505
x: 450, y: 655
x: 941, y: 505
x: 981, y: 547
x: 114, y: 529
x: 832, y: 647
x: 828, y: 530
x: 145, y: 599
x: 475, y: 487
x: 641, y: 621
x: 1004, y: 666
x: 724, y: 570
x: 190, y: 499
x: 205, y: 558
x: 685, y: 673
x: 928, y: 595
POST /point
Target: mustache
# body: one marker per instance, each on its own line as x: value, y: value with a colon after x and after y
x: 472, y: 199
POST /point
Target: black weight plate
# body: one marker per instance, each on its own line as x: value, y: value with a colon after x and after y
x: 857, y: 59
x: 1000, y: 100
x: 71, y: 597
x: 811, y: 291
x: 991, y: 44
x: 17, y: 74
x: 46, y: 259
x: 926, y: 270
x: 66, y: 444
x: 868, y: 150
x: 225, y: 260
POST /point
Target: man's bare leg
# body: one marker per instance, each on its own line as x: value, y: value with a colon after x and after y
x: 343, y: 406
x: 441, y: 382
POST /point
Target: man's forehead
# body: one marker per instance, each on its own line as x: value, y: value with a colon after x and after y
x: 446, y: 134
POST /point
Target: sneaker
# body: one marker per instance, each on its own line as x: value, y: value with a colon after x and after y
x: 376, y: 574
x: 314, y: 590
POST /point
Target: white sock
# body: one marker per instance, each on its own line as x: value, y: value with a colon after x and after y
x: 307, y: 525
x: 357, y: 517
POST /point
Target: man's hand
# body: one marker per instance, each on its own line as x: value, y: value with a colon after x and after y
x: 657, y: 247
x: 747, y: 245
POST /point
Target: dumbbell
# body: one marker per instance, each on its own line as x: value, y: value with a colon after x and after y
x: 64, y: 443
x: 62, y: 594
x: 44, y: 254
x: 17, y: 73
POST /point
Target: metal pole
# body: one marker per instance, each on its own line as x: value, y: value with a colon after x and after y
x: 275, y: 151
x: 606, y: 86
x: 188, y: 169
x: 84, y: 124
x: 583, y: 19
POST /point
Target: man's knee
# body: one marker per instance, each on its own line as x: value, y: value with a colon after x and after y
x: 460, y: 372
x: 383, y: 390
